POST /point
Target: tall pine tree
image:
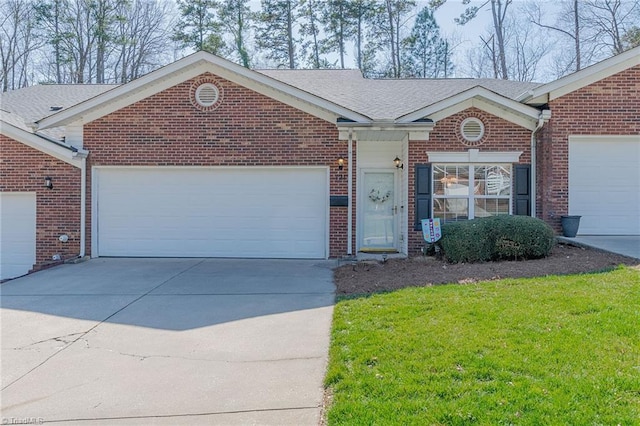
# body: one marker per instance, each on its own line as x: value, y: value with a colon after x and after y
x: 276, y: 33
x: 199, y: 27
x: 427, y: 54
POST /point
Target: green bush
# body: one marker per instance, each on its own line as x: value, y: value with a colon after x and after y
x: 495, y: 238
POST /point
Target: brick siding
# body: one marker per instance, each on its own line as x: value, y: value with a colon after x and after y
x: 246, y: 129
x: 23, y: 169
x: 500, y: 135
x: 607, y: 107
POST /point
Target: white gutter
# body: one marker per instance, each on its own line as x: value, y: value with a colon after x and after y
x: 349, y: 196
x: 545, y: 115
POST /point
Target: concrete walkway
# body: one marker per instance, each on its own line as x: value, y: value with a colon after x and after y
x: 624, y: 245
x: 167, y: 341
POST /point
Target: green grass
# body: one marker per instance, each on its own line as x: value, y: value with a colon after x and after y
x: 545, y: 351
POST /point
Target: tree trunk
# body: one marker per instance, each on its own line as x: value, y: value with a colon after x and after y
x: 290, y: 47
x: 576, y: 34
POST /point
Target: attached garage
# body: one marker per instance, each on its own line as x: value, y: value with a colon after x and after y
x: 604, y: 184
x: 255, y: 212
x: 17, y: 233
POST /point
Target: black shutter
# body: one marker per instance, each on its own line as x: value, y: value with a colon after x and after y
x: 423, y: 194
x: 522, y: 189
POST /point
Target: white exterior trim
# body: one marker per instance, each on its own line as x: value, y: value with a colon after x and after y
x: 34, y: 141
x: 191, y: 67
x: 481, y: 98
x: 582, y: 78
x: 612, y: 138
x: 474, y: 156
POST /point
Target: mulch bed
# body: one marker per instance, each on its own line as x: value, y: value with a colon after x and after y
x: 373, y: 276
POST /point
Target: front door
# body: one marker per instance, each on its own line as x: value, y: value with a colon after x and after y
x: 379, y: 212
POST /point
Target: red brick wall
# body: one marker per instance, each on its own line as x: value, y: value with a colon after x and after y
x: 607, y: 107
x: 500, y: 135
x: 246, y: 129
x: 23, y: 169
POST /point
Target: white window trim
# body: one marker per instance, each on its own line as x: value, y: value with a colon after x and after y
x: 470, y: 197
x: 474, y: 156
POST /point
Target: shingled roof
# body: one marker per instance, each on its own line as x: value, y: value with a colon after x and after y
x: 34, y: 103
x: 378, y: 99
x: 388, y: 99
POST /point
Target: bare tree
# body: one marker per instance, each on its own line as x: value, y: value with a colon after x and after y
x: 527, y: 49
x: 568, y: 24
x: 18, y: 41
x: 141, y: 38
x: 496, y: 43
x: 610, y: 20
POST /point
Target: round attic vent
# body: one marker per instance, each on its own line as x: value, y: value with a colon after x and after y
x: 207, y: 95
x: 472, y: 129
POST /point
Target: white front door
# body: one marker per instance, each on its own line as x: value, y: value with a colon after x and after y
x: 379, y: 212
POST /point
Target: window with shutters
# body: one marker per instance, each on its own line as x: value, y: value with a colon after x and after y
x: 467, y: 191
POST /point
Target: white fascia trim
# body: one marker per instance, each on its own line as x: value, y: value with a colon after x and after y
x: 583, y: 78
x: 185, y: 69
x: 62, y: 153
x: 600, y: 138
x: 476, y: 96
x: 416, y: 131
x: 474, y: 156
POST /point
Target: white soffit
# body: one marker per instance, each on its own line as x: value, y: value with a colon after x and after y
x: 474, y: 156
x: 36, y: 142
x: 191, y: 67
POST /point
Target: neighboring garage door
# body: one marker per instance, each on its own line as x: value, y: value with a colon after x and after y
x: 604, y: 184
x: 17, y: 233
x: 212, y: 212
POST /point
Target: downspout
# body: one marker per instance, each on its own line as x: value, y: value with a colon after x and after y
x: 83, y: 206
x: 350, y: 196
x: 545, y: 115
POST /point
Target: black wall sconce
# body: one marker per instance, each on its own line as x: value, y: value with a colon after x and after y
x: 48, y: 183
x: 398, y: 163
x: 340, y: 163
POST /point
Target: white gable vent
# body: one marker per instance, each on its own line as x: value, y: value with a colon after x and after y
x: 472, y: 129
x: 207, y: 94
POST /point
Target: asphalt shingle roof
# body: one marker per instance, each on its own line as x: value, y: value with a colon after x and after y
x: 383, y: 99
x: 33, y: 103
x: 387, y: 99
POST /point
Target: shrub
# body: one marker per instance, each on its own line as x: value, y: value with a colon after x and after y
x: 495, y: 238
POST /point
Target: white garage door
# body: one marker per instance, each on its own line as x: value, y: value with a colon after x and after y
x: 212, y: 212
x: 604, y: 184
x: 17, y: 233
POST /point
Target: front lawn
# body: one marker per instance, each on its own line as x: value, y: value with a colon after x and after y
x: 552, y: 350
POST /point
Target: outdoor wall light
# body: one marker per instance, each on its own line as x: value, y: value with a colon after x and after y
x: 48, y: 183
x: 340, y: 163
x: 398, y: 163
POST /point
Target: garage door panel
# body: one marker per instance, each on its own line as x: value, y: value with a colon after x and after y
x: 243, y: 212
x: 17, y: 233
x: 604, y: 184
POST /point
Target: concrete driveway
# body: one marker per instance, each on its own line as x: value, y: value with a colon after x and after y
x: 167, y: 341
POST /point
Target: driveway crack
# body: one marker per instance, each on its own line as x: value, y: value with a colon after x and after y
x: 65, y: 339
x: 81, y: 335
